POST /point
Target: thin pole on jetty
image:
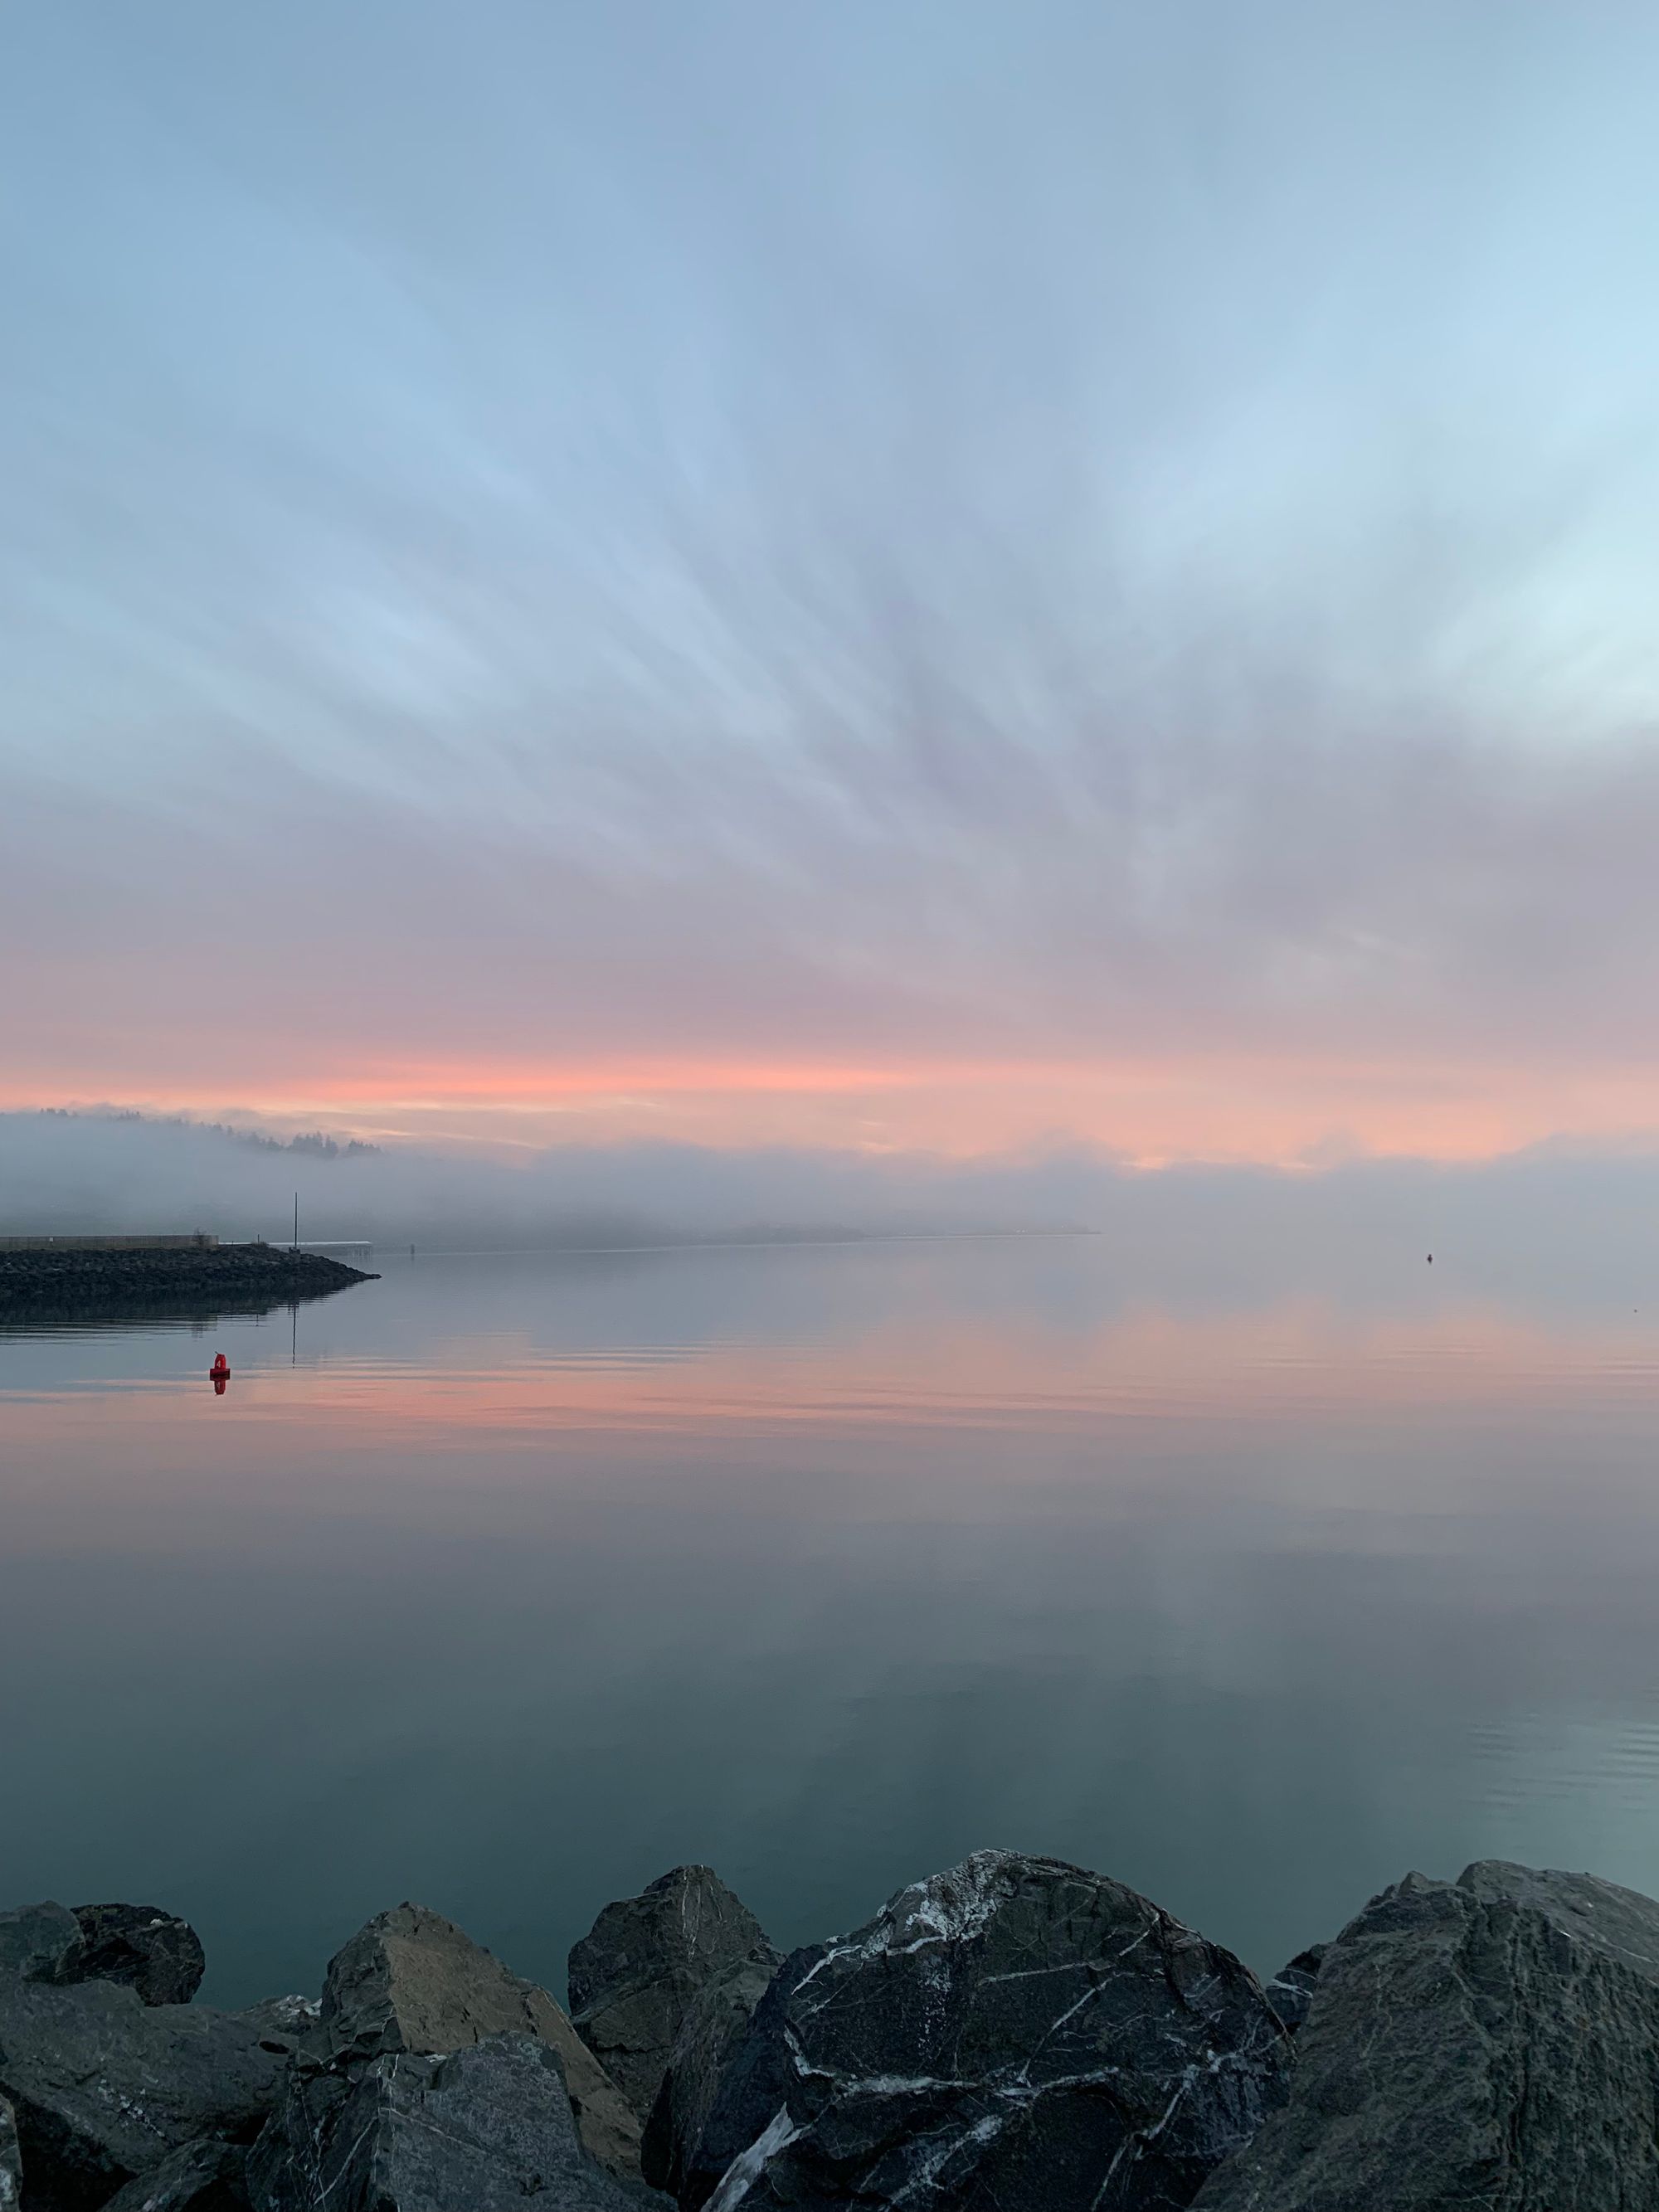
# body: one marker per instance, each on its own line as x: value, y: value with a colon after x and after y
x: 296, y: 1221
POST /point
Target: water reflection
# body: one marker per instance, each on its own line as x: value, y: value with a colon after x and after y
x: 125, y: 1313
x: 508, y: 1583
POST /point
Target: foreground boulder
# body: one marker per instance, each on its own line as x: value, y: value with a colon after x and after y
x: 1016, y: 2033
x: 105, y: 2087
x: 411, y: 1981
x: 1491, y: 2044
x: 209, y: 2176
x: 482, y: 2129
x: 671, y: 2151
x: 645, y: 1963
x: 40, y: 1943
x: 148, y: 1950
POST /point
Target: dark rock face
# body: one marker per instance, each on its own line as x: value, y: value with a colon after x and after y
x: 636, y: 1975
x: 146, y: 1949
x: 411, y: 1981
x: 11, y: 2161
x: 1290, y: 1991
x: 671, y: 2150
x: 209, y: 2176
x: 1491, y: 2044
x: 480, y: 2130
x: 1016, y: 2034
x: 105, y: 2087
x: 40, y: 1943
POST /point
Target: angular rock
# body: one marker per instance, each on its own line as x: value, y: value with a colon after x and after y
x: 148, y: 1950
x: 481, y: 2129
x: 411, y: 1981
x: 714, y: 2026
x: 105, y: 2087
x: 1491, y: 2044
x: 40, y: 1942
x: 209, y: 2176
x: 1014, y: 2033
x: 11, y: 2161
x: 287, y: 2024
x: 1290, y: 1989
x: 637, y: 1972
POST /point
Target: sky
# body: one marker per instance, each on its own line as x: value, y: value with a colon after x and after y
x: 949, y: 579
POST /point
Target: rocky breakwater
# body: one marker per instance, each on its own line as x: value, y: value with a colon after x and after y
x: 66, y: 1280
x: 1012, y: 2035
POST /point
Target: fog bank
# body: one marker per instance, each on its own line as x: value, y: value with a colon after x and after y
x: 1548, y: 1222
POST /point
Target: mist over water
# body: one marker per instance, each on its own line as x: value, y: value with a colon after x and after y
x: 1556, y: 1227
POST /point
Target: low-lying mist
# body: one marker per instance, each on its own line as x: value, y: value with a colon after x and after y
x: 1564, y: 1227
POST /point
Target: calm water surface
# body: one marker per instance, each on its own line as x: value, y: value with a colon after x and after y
x: 504, y: 1583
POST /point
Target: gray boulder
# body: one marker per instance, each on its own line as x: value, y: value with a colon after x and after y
x: 481, y: 2129
x: 644, y: 1963
x: 1491, y: 2043
x: 411, y: 1981
x: 148, y: 1950
x: 40, y: 1942
x: 105, y: 2087
x: 287, y: 2024
x: 209, y: 2176
x: 1016, y: 2033
x: 1290, y: 1991
x: 671, y: 2151
x: 11, y: 2161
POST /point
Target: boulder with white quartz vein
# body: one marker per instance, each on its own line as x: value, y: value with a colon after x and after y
x: 1016, y: 2034
x: 1290, y: 1991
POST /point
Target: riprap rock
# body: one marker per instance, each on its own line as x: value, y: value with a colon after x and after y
x: 485, y: 2129
x: 1016, y: 2033
x: 209, y: 2176
x: 148, y: 1950
x: 11, y: 2161
x: 1290, y: 1991
x: 1491, y: 2044
x: 644, y: 1964
x: 40, y: 1942
x: 412, y: 1981
x: 671, y: 2153
x: 105, y: 2087
x: 292, y: 2023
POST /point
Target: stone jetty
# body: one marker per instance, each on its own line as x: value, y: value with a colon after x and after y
x: 75, y: 1274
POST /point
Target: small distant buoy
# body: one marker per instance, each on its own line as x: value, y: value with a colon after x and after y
x: 221, y: 1366
x: 1430, y: 1259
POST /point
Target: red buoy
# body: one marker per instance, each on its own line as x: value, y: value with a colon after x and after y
x: 221, y: 1365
